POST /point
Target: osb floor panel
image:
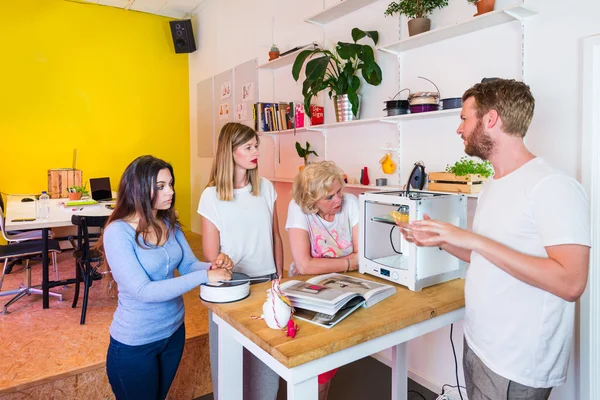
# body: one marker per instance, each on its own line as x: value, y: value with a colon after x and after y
x: 47, y: 354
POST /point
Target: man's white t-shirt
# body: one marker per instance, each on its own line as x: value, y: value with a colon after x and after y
x: 519, y: 331
x: 245, y: 226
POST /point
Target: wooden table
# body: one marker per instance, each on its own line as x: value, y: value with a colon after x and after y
x: 390, y: 323
x: 59, y: 217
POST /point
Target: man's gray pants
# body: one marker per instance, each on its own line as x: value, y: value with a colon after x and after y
x: 484, y: 384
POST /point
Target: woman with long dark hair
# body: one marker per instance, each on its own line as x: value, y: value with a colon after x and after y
x: 143, y: 244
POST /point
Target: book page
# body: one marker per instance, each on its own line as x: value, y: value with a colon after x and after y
x: 350, y: 284
x: 315, y: 293
x: 326, y: 320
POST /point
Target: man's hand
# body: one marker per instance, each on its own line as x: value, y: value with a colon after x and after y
x: 420, y: 237
x: 432, y: 233
x: 222, y: 261
x: 219, y: 274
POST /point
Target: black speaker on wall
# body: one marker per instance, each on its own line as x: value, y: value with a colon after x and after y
x: 183, y: 36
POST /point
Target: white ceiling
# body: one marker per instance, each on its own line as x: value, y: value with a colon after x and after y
x: 167, y: 8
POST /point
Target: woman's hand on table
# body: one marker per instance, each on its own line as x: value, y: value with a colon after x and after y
x: 222, y: 261
x: 218, y: 274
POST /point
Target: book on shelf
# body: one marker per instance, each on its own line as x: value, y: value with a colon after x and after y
x: 273, y: 117
x: 327, y: 299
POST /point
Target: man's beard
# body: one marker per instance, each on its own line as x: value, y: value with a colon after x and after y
x: 479, y: 144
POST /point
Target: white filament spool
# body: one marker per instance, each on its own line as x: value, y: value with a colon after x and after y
x: 226, y: 292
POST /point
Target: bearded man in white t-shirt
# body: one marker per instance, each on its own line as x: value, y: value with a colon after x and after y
x: 528, y: 252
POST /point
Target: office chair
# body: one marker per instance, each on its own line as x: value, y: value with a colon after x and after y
x: 25, y: 250
x: 20, y: 236
x: 85, y: 256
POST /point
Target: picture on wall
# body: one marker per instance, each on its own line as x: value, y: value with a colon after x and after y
x: 223, y: 111
x: 226, y: 90
x: 248, y: 92
x: 241, y: 112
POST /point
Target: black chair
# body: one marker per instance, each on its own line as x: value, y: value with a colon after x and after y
x: 85, y: 256
x: 25, y: 250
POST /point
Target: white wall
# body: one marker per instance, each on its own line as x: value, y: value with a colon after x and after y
x: 230, y: 32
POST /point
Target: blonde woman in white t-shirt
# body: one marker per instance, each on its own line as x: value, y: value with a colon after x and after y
x: 239, y: 213
x: 322, y: 225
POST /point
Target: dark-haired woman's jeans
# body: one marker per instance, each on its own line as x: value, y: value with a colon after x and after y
x: 144, y: 372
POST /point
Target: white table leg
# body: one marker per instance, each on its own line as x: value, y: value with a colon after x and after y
x: 399, y: 372
x: 306, y: 390
x: 230, y: 367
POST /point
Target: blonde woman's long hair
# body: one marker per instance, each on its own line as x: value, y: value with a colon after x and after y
x: 232, y: 136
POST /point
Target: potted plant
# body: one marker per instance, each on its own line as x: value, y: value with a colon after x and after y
x: 483, y: 6
x: 336, y: 70
x: 273, y: 53
x: 304, y: 153
x: 417, y: 11
x: 75, y: 192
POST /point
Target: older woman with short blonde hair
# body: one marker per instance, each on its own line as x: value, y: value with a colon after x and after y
x: 322, y: 225
x: 322, y: 222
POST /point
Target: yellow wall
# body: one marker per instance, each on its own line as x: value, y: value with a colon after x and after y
x: 98, y: 79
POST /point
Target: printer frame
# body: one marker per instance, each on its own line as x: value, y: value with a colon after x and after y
x: 404, y: 262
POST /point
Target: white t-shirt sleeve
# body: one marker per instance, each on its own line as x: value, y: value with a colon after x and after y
x: 268, y: 192
x: 561, y: 211
x: 295, y: 218
x: 208, y: 206
x: 353, y: 208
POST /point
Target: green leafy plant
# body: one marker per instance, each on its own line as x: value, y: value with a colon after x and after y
x: 415, y: 8
x: 304, y: 152
x: 474, y: 2
x: 466, y: 166
x: 337, y: 69
x: 78, y: 189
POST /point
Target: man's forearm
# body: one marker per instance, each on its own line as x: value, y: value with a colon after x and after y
x: 458, y: 252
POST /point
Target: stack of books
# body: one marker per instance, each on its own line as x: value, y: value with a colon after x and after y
x: 327, y: 299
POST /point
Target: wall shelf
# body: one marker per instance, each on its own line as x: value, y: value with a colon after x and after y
x: 348, y: 185
x: 390, y: 120
x: 423, y: 115
x: 283, y: 132
x: 338, y: 11
x: 280, y: 62
x: 516, y: 13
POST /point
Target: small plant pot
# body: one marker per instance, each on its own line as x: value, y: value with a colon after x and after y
x: 418, y: 25
x: 485, y: 6
x: 273, y: 55
x: 75, y: 196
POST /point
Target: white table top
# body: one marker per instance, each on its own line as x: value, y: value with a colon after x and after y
x: 59, y: 215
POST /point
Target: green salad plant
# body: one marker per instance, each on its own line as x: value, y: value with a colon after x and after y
x: 466, y: 166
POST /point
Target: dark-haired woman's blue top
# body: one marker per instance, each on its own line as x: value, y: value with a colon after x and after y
x: 150, y: 304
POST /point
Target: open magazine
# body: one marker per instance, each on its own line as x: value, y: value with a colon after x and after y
x: 327, y: 299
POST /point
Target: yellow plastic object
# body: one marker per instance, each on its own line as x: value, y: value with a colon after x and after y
x: 399, y: 217
x: 387, y: 164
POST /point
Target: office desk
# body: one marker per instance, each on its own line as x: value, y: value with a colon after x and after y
x: 59, y: 216
x: 388, y: 324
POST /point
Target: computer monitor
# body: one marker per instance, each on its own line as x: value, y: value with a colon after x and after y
x: 100, y: 188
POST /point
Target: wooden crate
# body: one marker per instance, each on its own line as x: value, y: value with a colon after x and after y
x: 448, y: 182
x: 59, y: 180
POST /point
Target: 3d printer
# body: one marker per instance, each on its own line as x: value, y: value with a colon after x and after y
x: 383, y: 251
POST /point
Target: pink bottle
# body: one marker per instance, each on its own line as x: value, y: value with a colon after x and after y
x: 364, y: 177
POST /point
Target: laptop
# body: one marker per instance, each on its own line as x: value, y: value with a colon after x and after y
x: 100, y: 188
